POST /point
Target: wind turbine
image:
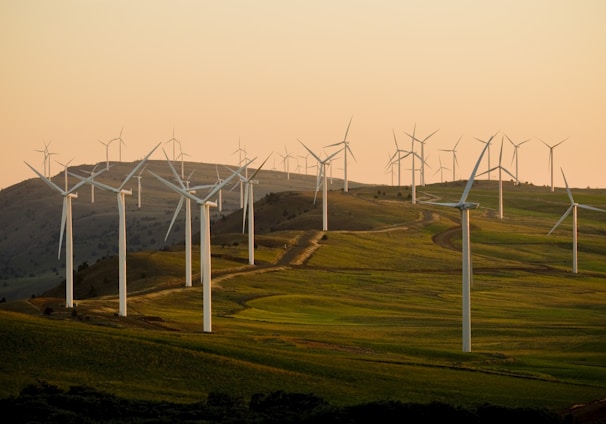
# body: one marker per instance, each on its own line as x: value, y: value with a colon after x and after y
x: 106, y: 153
x: 120, y: 143
x: 441, y: 170
x: 321, y: 180
x: 345, y: 149
x: 286, y: 161
x: 489, y: 169
x: 516, y: 154
x: 464, y: 206
x: 423, y: 160
x: 241, y: 150
x: 249, y: 202
x: 205, y: 254
x: 66, y: 226
x: 187, y: 201
x: 501, y: 169
x: 573, y: 208
x: 92, y: 187
x: 454, y: 157
x: 65, y: 165
x: 174, y: 141
x: 551, y: 157
x: 398, y: 153
x: 218, y: 181
x: 47, y: 156
x: 121, y: 192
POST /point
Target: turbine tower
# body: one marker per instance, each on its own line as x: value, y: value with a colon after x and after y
x: 516, y: 154
x: 551, y: 157
x: 121, y: 193
x: 464, y: 206
x: 399, y: 158
x: 441, y: 170
x: 66, y: 227
x: 322, y: 180
x: 489, y: 169
x: 65, y: 165
x: 501, y: 169
x: 286, y: 161
x: 205, y: 254
x: 241, y: 150
x: 454, y: 158
x: 345, y: 149
x: 183, y: 199
x: 249, y: 202
x: 573, y: 208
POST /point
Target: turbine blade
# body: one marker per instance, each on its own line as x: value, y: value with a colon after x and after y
x: 46, y: 180
x: 591, y: 208
x: 174, y: 170
x: 218, y: 187
x: 62, y: 230
x: 473, y: 174
x: 449, y: 204
x: 136, y: 168
x: 561, y: 219
x: 245, y: 207
x: 175, y: 188
x: 567, y: 188
x: 259, y: 168
x: 347, y: 130
x: 177, y: 210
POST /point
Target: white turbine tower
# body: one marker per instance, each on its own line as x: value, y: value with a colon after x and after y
x: 241, y: 150
x: 454, y: 158
x: 205, y: 254
x: 322, y: 180
x: 218, y: 181
x: 138, y: 177
x: 573, y: 208
x: 249, y: 202
x: 345, y: 149
x: 183, y: 199
x: 501, y: 170
x: 516, y: 154
x: 120, y: 144
x: 92, y: 187
x: 47, y: 154
x: 106, y: 153
x: 551, y: 157
x: 66, y: 226
x: 464, y: 206
x: 121, y: 192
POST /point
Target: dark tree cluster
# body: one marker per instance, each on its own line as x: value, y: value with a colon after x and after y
x: 46, y: 403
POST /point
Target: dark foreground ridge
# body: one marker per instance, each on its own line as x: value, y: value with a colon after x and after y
x: 46, y: 403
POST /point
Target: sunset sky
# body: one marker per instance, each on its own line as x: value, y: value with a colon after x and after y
x: 269, y: 72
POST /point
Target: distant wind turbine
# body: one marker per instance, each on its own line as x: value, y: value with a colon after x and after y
x: 286, y: 161
x: 454, y: 158
x: 241, y: 151
x: 422, y: 157
x: 249, y: 203
x: 345, y: 149
x: 573, y: 208
x: 516, y: 154
x: 489, y: 168
x: 501, y: 169
x: 205, y: 254
x: 138, y: 177
x: 174, y: 142
x: 65, y: 165
x: 121, y: 192
x: 397, y: 157
x: 120, y: 144
x: 321, y: 180
x: 66, y: 227
x: 106, y: 153
x: 551, y: 157
x: 441, y: 170
x: 464, y: 206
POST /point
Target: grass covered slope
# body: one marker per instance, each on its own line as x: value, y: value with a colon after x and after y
x: 371, y: 311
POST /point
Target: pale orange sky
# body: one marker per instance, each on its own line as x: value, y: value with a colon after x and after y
x: 269, y: 72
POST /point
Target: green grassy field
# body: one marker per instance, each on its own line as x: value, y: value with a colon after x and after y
x: 373, y: 314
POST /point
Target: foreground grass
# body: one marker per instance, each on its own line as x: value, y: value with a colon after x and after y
x: 371, y: 316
